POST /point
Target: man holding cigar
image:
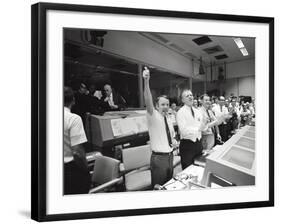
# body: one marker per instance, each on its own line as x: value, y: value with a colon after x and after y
x: 161, y: 133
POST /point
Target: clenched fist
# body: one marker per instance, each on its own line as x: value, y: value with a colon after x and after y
x: 146, y: 73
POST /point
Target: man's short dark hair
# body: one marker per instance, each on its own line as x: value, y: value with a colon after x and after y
x: 214, y: 97
x: 158, y: 98
x: 68, y: 95
x: 108, y: 84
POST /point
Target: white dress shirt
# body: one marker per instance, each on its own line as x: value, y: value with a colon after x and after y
x: 110, y: 100
x: 220, y: 111
x: 157, y: 132
x: 236, y: 109
x: 189, y: 125
x: 207, y: 131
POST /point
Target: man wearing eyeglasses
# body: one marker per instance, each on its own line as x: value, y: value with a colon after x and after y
x: 161, y: 133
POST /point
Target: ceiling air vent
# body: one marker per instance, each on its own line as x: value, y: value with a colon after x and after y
x: 221, y: 56
x: 202, y: 40
x: 212, y: 50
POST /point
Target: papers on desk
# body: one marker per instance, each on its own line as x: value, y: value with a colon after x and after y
x: 141, y: 123
x: 191, y: 173
x: 176, y: 185
x: 128, y: 126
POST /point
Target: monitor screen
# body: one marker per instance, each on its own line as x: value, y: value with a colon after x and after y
x: 252, y: 128
x: 246, y: 142
x: 240, y: 157
x: 250, y: 134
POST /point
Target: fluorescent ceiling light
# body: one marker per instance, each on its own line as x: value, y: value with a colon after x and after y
x: 239, y: 42
x: 244, y: 51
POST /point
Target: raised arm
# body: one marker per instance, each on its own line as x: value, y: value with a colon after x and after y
x: 147, y: 93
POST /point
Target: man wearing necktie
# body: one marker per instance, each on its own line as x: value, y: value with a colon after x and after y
x: 191, y: 123
x: 113, y: 100
x: 219, y: 111
x: 161, y: 133
x: 211, y: 133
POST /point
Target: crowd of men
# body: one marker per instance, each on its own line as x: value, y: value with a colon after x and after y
x: 200, y: 125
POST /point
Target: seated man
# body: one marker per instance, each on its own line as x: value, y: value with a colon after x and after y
x: 94, y: 101
x: 112, y: 100
x: 76, y: 176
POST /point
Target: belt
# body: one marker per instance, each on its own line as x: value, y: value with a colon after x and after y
x: 189, y: 140
x: 162, y: 153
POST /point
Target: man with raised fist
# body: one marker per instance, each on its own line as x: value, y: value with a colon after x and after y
x: 161, y: 133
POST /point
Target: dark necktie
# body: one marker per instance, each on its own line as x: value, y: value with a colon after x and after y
x: 192, y: 111
x: 213, y: 128
x: 168, y: 131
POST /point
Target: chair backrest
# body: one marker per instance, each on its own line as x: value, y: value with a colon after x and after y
x: 105, y: 169
x: 136, y: 157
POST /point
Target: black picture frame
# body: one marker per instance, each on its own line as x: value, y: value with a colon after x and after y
x: 39, y: 114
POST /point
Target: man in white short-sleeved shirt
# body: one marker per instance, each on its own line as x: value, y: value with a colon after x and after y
x: 73, y: 133
x: 161, y: 133
x: 76, y: 175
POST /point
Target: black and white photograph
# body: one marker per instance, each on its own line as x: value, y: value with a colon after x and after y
x: 183, y: 121
x: 140, y: 112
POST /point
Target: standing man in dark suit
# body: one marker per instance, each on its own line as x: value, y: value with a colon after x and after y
x: 112, y: 100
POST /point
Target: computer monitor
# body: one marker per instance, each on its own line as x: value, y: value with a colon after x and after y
x: 234, y: 161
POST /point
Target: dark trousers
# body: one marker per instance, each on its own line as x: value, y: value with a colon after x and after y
x: 161, y: 168
x: 188, y: 151
x: 224, y: 132
x: 76, y: 179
